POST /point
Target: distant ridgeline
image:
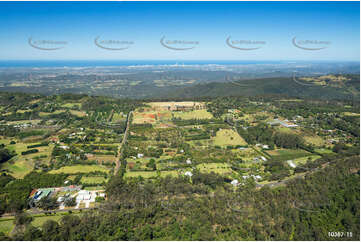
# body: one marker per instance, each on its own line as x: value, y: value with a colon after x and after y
x: 185, y: 85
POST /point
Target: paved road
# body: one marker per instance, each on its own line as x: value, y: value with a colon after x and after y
x: 120, y: 149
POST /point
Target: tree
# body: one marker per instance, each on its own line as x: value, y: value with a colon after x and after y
x: 48, y: 203
x: 22, y: 218
x: 50, y: 230
x: 70, y: 202
x: 151, y: 164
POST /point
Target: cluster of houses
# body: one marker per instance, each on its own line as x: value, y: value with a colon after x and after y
x: 37, y: 194
x: 81, y: 196
x: 235, y: 182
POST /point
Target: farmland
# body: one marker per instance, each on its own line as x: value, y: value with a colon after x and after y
x: 174, y: 148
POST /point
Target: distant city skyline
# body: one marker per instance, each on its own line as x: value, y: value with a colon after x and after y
x: 181, y: 31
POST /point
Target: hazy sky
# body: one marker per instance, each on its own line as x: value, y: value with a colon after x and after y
x: 74, y: 26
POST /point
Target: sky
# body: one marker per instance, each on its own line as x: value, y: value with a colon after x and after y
x: 321, y: 30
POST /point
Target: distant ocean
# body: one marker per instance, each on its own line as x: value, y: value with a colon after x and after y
x: 95, y: 63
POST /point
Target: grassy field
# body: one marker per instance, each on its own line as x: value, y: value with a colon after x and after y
x: 79, y: 169
x: 71, y: 105
x: 144, y: 174
x: 287, y: 154
x: 144, y: 117
x: 195, y: 114
x: 324, y: 151
x: 6, y: 226
x: 34, y: 121
x: 118, y: 117
x: 105, y: 158
x: 93, y: 179
x: 303, y: 160
x: 21, y: 165
x: 19, y: 168
x: 226, y: 137
x: 78, y: 113
x: 351, y: 114
x: 315, y: 140
x: 94, y: 188
x: 220, y: 168
x: 39, y: 221
x: 247, y: 154
x: 44, y: 114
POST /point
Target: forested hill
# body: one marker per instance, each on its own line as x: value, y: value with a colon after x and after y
x: 349, y: 90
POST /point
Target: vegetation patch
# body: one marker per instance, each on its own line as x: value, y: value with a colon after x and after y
x: 79, y: 169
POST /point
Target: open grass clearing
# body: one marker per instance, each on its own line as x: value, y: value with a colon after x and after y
x: 79, y: 169
x: 44, y: 114
x: 315, y: 140
x: 351, y: 114
x: 324, y: 151
x: 287, y: 154
x: 219, y: 168
x: 118, y: 117
x: 33, y: 121
x: 93, y: 179
x: 304, y: 160
x: 71, y: 105
x: 144, y: 174
x: 226, y: 137
x: 78, y: 113
x: 6, y: 226
x: 18, y: 167
x: 195, y: 114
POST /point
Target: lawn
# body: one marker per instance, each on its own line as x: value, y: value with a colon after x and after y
x: 195, y: 114
x: 226, y: 137
x: 79, y: 169
x: 93, y: 179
